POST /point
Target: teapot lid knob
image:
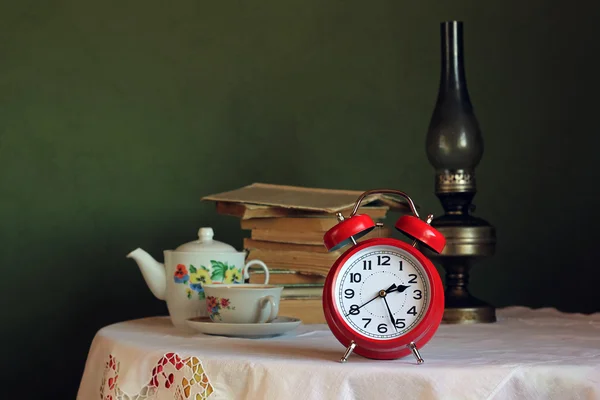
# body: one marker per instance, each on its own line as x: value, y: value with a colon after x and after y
x: 205, y: 242
x: 205, y: 234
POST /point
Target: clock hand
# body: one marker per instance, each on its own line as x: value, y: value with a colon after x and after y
x: 388, y: 290
x: 391, y: 288
x: 394, y: 288
x: 401, y: 288
x: 391, y: 315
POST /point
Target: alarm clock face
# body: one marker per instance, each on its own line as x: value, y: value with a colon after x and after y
x: 382, y: 292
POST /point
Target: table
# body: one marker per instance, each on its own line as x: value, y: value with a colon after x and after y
x: 527, y: 354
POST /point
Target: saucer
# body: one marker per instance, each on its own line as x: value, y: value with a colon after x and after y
x: 278, y: 326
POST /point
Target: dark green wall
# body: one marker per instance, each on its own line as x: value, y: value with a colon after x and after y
x: 116, y: 117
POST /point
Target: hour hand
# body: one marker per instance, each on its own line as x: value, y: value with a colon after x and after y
x: 401, y: 288
x: 391, y: 288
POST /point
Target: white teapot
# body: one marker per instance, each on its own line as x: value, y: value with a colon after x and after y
x: 179, y: 280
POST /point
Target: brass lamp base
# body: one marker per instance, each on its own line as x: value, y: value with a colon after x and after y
x: 473, y: 315
x: 475, y: 239
x: 470, y: 311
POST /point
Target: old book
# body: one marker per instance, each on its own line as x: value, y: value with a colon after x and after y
x: 250, y: 244
x: 304, y: 198
x: 309, y: 310
x: 322, y: 270
x: 293, y: 257
x: 248, y: 211
x: 290, y: 224
x: 285, y: 277
x: 310, y: 238
x: 301, y: 291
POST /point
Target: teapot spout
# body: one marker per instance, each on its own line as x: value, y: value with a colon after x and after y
x: 153, y: 272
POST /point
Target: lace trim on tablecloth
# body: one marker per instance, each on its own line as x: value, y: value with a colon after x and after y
x: 173, y: 377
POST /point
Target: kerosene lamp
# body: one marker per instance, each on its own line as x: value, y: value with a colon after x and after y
x: 454, y: 147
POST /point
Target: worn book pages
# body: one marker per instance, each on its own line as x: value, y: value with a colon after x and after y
x: 286, y: 277
x: 290, y: 224
x: 250, y: 244
x: 295, y: 257
x: 309, y: 310
x: 314, y: 269
x: 302, y: 198
x: 254, y: 211
x: 307, y: 238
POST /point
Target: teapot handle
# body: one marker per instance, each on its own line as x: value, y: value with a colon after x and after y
x: 256, y: 262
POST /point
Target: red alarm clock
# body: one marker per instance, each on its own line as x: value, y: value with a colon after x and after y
x: 383, y: 299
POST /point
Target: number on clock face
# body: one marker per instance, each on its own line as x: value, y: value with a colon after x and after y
x: 382, y: 292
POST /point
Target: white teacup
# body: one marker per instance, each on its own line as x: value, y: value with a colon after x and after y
x: 242, y: 303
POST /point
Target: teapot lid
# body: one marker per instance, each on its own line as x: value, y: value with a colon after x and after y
x: 205, y: 242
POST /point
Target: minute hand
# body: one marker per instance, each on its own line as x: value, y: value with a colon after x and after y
x: 391, y: 315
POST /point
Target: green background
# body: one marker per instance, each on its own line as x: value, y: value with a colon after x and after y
x: 117, y: 117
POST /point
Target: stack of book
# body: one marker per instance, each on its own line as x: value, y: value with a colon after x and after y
x: 286, y: 226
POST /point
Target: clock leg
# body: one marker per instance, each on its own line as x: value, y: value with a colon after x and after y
x: 415, y: 351
x: 348, y: 352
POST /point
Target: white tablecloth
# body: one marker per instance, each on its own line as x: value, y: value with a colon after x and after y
x: 527, y: 354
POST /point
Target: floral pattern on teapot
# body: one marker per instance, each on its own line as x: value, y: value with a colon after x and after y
x: 195, y: 277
